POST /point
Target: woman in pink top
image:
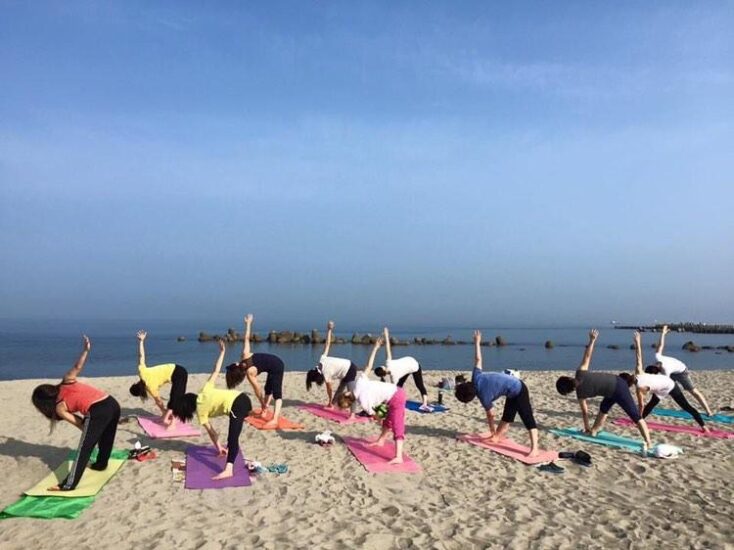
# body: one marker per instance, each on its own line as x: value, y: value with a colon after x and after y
x: 91, y: 410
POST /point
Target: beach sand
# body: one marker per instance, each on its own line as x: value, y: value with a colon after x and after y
x: 466, y: 497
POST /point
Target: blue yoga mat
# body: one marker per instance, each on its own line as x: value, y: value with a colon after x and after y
x: 673, y: 413
x: 603, y: 438
x: 413, y: 406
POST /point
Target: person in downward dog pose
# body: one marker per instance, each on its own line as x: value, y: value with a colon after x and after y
x: 490, y: 386
x: 613, y: 389
x: 400, y: 369
x: 678, y: 371
x: 659, y: 385
x: 152, y: 378
x: 253, y: 364
x: 211, y: 402
x: 99, y: 412
x: 373, y: 394
x: 332, y: 370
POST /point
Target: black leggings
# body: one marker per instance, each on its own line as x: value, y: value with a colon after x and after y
x: 100, y: 427
x: 274, y: 381
x: 680, y: 399
x: 417, y: 378
x: 179, y: 378
x: 241, y: 407
x: 520, y: 404
x: 623, y: 398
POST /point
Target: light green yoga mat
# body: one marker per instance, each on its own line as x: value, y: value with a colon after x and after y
x: 47, y: 507
x: 603, y: 438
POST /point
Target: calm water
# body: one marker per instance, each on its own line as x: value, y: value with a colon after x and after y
x: 46, y: 350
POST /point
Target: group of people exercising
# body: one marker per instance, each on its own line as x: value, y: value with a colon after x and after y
x: 97, y: 414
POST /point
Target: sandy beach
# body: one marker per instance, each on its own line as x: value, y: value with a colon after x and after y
x: 466, y: 497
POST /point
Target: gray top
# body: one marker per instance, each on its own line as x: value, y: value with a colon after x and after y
x: 595, y: 384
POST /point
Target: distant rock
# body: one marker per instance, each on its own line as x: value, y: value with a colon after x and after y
x: 205, y: 337
x: 612, y: 346
x: 500, y: 341
x: 691, y: 346
x: 181, y: 339
x: 549, y: 344
x: 448, y: 341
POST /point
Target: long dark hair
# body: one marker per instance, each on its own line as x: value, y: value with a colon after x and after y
x: 44, y: 399
x: 314, y: 376
x: 235, y: 374
x: 139, y: 389
x: 185, y: 407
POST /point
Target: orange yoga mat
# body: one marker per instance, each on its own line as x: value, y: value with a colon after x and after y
x: 283, y: 423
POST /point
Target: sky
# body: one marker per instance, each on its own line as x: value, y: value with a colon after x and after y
x: 412, y: 163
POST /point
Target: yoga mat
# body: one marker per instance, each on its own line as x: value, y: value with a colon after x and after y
x: 89, y: 485
x: 673, y: 413
x: 690, y: 430
x: 507, y: 447
x: 332, y: 414
x: 414, y: 406
x: 202, y: 463
x: 47, y: 507
x: 155, y: 429
x: 283, y: 423
x: 603, y: 438
x: 375, y: 459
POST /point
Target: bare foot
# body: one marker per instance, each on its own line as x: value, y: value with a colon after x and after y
x: 223, y: 475
x: 396, y: 460
x: 533, y: 453
x: 377, y: 443
x: 270, y: 424
x: 706, y: 429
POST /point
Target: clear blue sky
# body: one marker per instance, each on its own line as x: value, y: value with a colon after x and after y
x: 408, y: 163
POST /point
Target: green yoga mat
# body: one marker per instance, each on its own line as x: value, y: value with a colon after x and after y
x: 47, y: 507
x: 602, y: 438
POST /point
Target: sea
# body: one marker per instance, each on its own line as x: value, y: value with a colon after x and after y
x: 46, y: 349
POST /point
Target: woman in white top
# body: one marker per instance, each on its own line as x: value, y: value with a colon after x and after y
x: 330, y: 370
x: 659, y: 385
x: 400, y: 369
x: 678, y: 371
x: 371, y: 395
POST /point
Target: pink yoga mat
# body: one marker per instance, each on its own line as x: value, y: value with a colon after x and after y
x: 672, y: 428
x: 509, y: 448
x: 153, y: 427
x: 375, y: 459
x: 202, y: 463
x: 332, y: 414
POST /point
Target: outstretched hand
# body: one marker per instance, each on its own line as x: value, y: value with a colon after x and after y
x: 141, y: 335
x: 593, y: 335
x: 222, y: 345
x: 248, y: 319
x: 666, y: 329
x: 477, y: 336
x: 330, y: 325
x: 87, y: 344
x: 636, y: 337
x: 379, y: 341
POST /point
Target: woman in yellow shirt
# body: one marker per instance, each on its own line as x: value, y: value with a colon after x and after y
x: 212, y: 402
x: 152, y: 378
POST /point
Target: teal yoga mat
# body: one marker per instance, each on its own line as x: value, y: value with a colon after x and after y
x: 603, y: 438
x: 673, y: 413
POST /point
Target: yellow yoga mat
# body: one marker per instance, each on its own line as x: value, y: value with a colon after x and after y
x: 90, y: 484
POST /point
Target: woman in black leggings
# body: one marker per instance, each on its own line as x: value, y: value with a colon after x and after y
x: 614, y: 389
x: 252, y: 364
x: 400, y: 369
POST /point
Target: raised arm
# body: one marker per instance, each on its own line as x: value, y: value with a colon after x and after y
x: 661, y: 343
x: 477, y: 350
x: 218, y: 362
x: 637, y: 339
x: 79, y: 365
x: 329, y: 332
x: 141, y: 347
x: 373, y: 354
x: 386, y: 336
x: 586, y: 361
x: 246, y: 352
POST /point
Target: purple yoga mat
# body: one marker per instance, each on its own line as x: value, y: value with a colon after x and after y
x: 202, y: 463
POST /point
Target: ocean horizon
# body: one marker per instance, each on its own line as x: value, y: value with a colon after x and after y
x: 45, y: 348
